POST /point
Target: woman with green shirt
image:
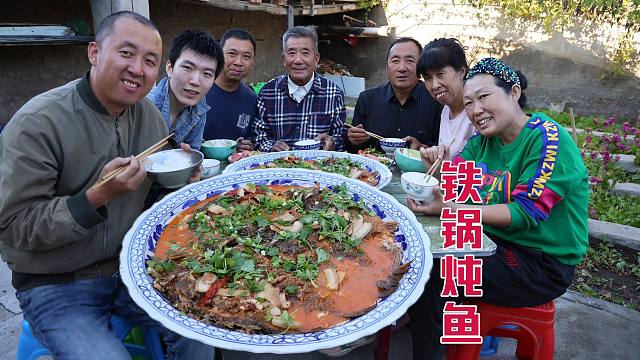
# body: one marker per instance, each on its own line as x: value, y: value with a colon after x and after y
x: 534, y: 195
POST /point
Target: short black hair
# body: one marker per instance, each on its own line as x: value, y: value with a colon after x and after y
x: 201, y: 43
x: 106, y: 25
x: 440, y: 53
x: 403, y: 40
x: 240, y: 34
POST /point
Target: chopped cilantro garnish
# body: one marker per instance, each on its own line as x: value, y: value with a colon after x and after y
x: 162, y: 266
x: 291, y: 290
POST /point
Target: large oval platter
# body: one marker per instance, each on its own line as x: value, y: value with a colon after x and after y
x: 248, y: 163
x: 139, y: 244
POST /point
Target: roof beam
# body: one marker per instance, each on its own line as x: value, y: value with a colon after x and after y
x: 277, y: 9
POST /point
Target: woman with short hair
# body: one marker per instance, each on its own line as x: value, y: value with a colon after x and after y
x: 443, y: 66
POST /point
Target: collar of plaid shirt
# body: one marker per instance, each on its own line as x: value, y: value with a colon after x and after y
x: 298, y: 92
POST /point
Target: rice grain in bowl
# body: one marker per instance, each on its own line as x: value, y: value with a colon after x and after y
x: 172, y: 168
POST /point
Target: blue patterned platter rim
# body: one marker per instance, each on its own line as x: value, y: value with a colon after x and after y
x: 384, y: 174
x: 140, y: 240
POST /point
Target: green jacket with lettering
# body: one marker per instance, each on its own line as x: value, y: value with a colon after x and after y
x: 542, y: 178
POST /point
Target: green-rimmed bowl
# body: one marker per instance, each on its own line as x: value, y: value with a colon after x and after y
x: 218, y: 149
x: 409, y: 160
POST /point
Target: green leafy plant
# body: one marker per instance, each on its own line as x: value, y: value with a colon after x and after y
x: 609, y: 274
x: 368, y: 4
x: 556, y: 16
x: 619, y: 209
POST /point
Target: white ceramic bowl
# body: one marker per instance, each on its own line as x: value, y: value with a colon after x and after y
x: 210, y: 167
x: 389, y: 145
x: 307, y: 145
x: 416, y: 186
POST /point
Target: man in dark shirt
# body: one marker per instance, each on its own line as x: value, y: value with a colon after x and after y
x: 233, y: 103
x: 402, y: 108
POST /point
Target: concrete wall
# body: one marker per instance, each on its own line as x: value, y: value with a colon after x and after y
x: 29, y: 70
x: 367, y: 58
x: 174, y: 16
x: 563, y: 68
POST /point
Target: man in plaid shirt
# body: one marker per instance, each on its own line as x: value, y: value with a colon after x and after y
x: 300, y: 104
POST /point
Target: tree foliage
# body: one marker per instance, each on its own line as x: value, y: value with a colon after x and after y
x: 556, y: 15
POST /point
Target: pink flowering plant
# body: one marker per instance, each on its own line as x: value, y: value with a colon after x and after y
x: 601, y: 155
x: 604, y: 170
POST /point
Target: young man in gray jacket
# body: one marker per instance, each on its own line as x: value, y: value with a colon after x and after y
x: 60, y: 235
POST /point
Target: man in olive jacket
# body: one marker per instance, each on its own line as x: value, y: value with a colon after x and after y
x: 60, y: 235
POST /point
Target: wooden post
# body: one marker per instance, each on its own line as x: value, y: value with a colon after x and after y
x: 100, y: 9
x: 290, y: 16
x: 573, y: 125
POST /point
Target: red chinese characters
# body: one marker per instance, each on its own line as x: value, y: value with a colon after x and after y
x: 465, y: 273
x: 461, y: 229
x: 460, y: 324
x: 460, y: 182
x: 449, y: 273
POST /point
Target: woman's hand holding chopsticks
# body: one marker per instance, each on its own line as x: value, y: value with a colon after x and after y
x: 433, y: 156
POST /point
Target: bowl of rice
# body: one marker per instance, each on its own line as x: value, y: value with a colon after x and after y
x: 172, y: 168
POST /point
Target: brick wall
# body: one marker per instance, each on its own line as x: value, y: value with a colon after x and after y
x: 29, y: 70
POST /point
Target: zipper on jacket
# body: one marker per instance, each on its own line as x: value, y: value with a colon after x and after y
x: 122, y: 153
x: 121, y: 149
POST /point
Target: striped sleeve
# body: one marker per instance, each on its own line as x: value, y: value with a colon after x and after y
x: 543, y: 182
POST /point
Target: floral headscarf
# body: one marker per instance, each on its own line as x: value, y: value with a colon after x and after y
x: 497, y: 68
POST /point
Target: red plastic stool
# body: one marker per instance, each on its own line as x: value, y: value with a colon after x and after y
x: 534, y: 331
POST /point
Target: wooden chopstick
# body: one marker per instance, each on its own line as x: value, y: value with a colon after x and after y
x: 152, y: 149
x: 436, y: 164
x: 368, y: 133
x: 433, y: 168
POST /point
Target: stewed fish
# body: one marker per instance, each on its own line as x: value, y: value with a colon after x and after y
x: 273, y: 259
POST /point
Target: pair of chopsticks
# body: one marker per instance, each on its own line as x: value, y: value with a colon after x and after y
x: 152, y: 149
x: 436, y: 164
x: 368, y: 133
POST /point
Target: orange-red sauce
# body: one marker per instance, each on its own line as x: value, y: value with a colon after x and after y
x: 357, y: 291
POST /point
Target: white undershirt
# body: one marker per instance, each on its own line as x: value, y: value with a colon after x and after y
x: 459, y: 128
x: 298, y: 92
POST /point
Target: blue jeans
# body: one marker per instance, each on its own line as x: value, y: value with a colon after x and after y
x: 72, y: 321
